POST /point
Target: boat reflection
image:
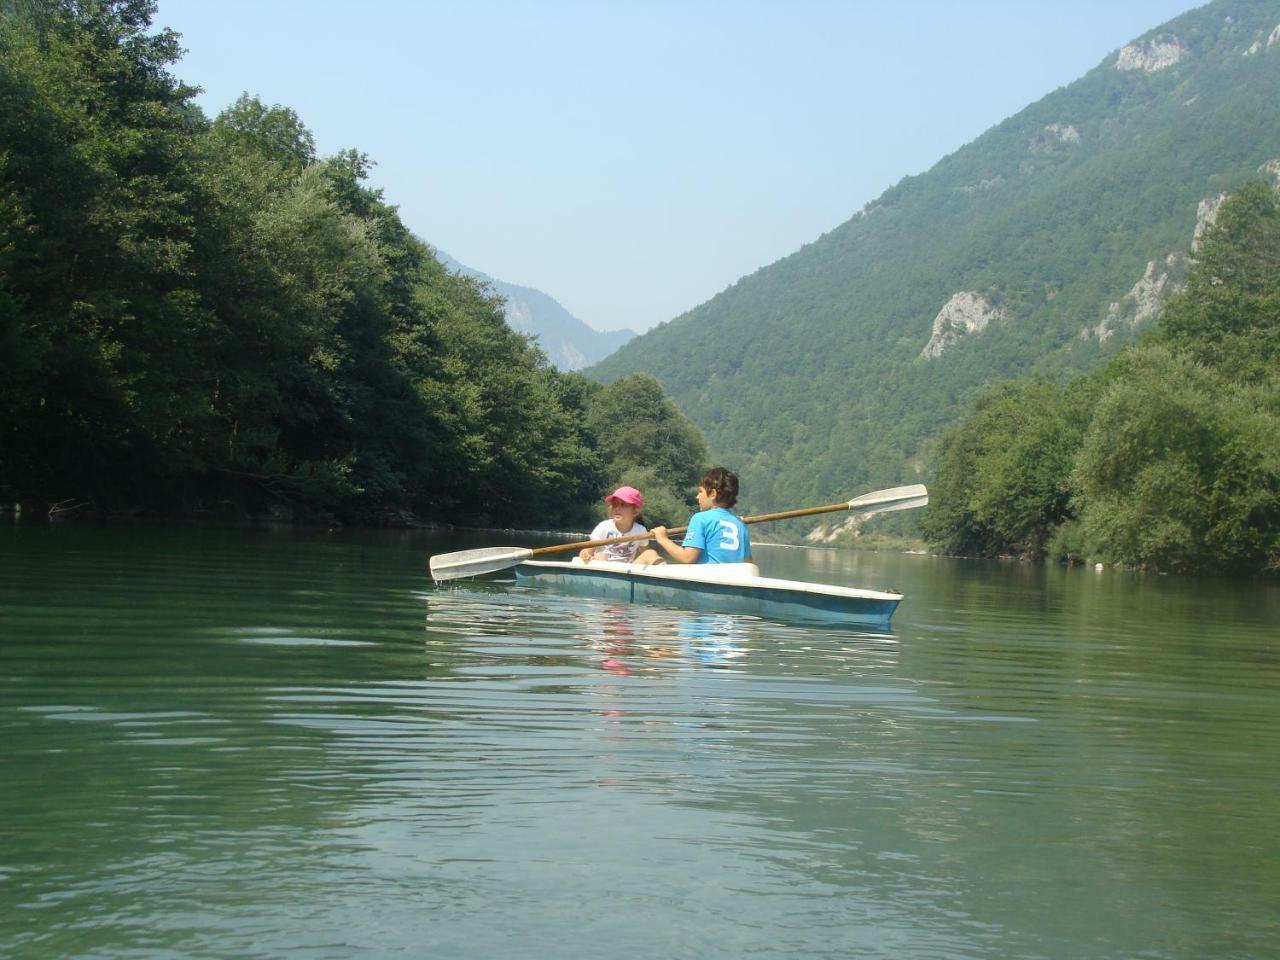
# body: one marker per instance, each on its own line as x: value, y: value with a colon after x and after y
x: 625, y: 639
x: 711, y: 638
x: 630, y: 640
x: 615, y: 641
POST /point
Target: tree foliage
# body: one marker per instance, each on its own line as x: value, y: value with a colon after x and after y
x: 1180, y: 467
x: 1174, y: 462
x: 1228, y: 315
x: 645, y: 440
x: 1002, y: 478
x: 204, y: 315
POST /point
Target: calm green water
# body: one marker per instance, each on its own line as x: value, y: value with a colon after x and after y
x: 289, y: 744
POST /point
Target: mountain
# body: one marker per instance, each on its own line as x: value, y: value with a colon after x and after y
x: 567, y: 341
x: 1044, y: 244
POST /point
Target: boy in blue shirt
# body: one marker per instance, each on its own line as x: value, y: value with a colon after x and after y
x: 715, y: 535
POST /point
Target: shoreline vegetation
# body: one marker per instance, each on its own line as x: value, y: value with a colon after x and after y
x: 202, y: 317
x: 1168, y: 458
x: 868, y: 543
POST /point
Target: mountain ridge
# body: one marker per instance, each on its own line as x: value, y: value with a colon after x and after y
x: 569, y: 343
x: 807, y: 374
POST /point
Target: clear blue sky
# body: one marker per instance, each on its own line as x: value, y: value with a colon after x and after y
x: 632, y: 159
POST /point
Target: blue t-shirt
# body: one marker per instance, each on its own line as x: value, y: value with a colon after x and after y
x: 720, y: 536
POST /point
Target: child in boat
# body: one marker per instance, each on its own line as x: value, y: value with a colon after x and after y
x: 715, y: 535
x: 625, y: 505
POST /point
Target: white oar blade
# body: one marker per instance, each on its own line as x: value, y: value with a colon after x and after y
x: 895, y: 498
x: 472, y: 563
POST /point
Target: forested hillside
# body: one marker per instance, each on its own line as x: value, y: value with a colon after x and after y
x: 568, y: 342
x: 204, y: 316
x: 838, y: 367
x: 1168, y: 457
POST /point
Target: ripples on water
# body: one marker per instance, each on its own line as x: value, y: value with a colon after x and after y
x: 237, y: 744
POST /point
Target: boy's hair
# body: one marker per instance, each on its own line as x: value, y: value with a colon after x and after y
x: 723, y: 483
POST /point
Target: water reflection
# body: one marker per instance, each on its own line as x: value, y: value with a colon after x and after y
x: 293, y: 745
x: 714, y: 639
x: 635, y: 639
x: 629, y: 644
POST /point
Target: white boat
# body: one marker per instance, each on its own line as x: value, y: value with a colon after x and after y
x: 722, y: 587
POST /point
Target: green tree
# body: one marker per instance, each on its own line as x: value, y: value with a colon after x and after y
x: 1228, y: 315
x: 519, y: 452
x: 1002, y: 482
x: 97, y: 184
x: 200, y: 315
x: 1180, y: 468
x: 644, y: 439
x: 276, y: 133
x: 1169, y: 457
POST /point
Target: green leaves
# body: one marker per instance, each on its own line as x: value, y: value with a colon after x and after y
x: 202, y: 316
x: 1178, y: 469
x: 1229, y: 313
x: 1001, y: 484
x: 275, y: 133
x: 1181, y: 466
x: 645, y: 440
x: 1169, y: 457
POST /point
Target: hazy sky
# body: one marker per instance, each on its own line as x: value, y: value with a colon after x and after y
x: 634, y: 159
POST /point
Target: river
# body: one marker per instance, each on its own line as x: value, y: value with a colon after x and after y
x: 288, y: 743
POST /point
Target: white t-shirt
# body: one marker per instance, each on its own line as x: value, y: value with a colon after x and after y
x: 621, y: 552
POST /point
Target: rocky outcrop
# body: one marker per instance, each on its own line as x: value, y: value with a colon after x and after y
x: 1157, y: 53
x: 1257, y: 45
x: 1164, y: 278
x: 1159, y: 281
x: 1206, y: 216
x: 823, y: 534
x: 1271, y: 170
x: 965, y: 313
x: 983, y: 185
x: 1054, y: 135
x: 847, y: 530
x: 1146, y: 298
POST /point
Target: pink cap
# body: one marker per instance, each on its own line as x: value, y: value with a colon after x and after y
x: 627, y: 495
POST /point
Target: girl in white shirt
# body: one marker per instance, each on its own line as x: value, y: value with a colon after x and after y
x: 625, y: 505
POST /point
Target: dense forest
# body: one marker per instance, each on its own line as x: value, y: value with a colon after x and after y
x: 1168, y: 457
x: 202, y: 316
x: 810, y: 375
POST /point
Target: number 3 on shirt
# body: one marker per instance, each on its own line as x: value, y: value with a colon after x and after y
x: 728, y: 535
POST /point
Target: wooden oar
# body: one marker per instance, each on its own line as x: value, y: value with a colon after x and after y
x: 472, y: 563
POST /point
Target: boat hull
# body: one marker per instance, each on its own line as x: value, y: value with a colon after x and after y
x: 723, y: 588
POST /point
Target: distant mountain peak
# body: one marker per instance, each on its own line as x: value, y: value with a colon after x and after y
x: 569, y: 343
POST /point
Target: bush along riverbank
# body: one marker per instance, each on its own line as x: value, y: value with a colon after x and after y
x: 1167, y: 459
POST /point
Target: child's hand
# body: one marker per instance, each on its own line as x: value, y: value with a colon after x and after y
x: 586, y: 553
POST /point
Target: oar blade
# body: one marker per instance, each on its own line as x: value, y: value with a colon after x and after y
x: 895, y: 498
x: 473, y: 563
